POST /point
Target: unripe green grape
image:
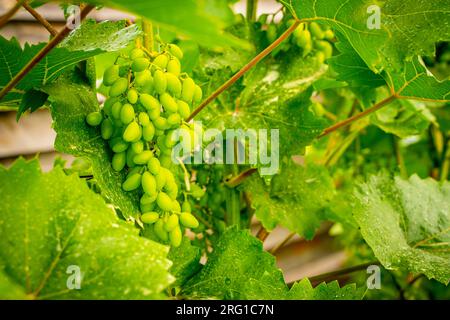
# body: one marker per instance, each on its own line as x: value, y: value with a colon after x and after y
x: 148, y: 132
x: 174, y: 119
x: 188, y: 220
x: 150, y: 217
x: 173, y: 84
x: 148, y: 183
x: 176, y: 206
x: 174, y: 67
x: 175, y: 237
x: 160, y: 82
x: 154, y: 114
x: 299, y: 30
x: 175, y: 50
x: 161, y: 61
x: 147, y: 207
x: 303, y: 39
x: 186, y: 207
x: 107, y: 129
x: 142, y: 79
x: 187, y: 93
x: 132, y: 171
x: 130, y: 158
x: 171, y: 223
x: 307, y: 49
x: 118, y: 145
x: 168, y: 102
x: 183, y: 109
x: 118, y: 161
x: 325, y: 47
x: 111, y: 75
x: 169, y: 176
x: 149, y: 102
x: 159, y: 133
x: 171, y: 190
x: 148, y: 198
x: 115, y: 110
x: 136, y: 53
x: 118, y: 87
x: 166, y: 161
x: 140, y: 64
x: 198, y: 94
x: 169, y: 140
x: 329, y: 34
x: 320, y: 56
x: 132, y: 183
x: 154, y: 166
x: 132, y: 96
x: 164, y: 201
x: 137, y: 147
x: 158, y: 227
x: 160, y: 123
x: 143, y: 157
x: 160, y: 180
x: 94, y: 118
x: 196, y: 191
x: 127, y: 113
x: 144, y: 119
x: 107, y: 106
x: 133, y: 132
x: 316, y: 31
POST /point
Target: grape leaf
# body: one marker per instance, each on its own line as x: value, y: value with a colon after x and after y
x: 51, y: 223
x: 186, y: 261
x: 405, y: 28
x: 71, y: 100
x: 203, y: 21
x: 407, y: 223
x: 239, y: 268
x: 294, y: 198
x: 403, y: 118
x: 303, y: 290
x: 88, y: 40
x: 275, y: 95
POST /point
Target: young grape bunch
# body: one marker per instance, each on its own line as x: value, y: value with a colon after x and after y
x: 149, y: 97
x: 311, y: 38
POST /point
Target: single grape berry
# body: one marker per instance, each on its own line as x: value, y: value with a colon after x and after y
x: 188, y: 220
x: 111, y: 75
x: 164, y: 201
x: 94, y: 119
x: 132, y: 183
x: 118, y: 87
x: 150, y: 217
x: 148, y: 183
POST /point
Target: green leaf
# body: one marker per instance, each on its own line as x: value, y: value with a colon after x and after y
x: 405, y: 32
x: 202, y: 21
x: 407, y: 224
x: 403, y: 118
x: 31, y: 100
x: 238, y: 268
x: 88, y: 40
x: 294, y: 199
x: 391, y: 51
x: 275, y: 95
x: 71, y: 100
x: 186, y: 261
x: 303, y: 290
x: 51, y: 221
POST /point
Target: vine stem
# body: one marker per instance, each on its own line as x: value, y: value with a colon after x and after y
x: 8, y: 15
x: 399, y: 157
x: 358, y: 116
x: 40, y: 19
x: 238, y: 179
x: 244, y: 69
x: 251, y: 9
x: 262, y: 234
x: 335, y: 274
x: 41, y: 54
x: 147, y: 27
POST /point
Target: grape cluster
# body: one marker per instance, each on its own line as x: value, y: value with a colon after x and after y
x: 148, y: 98
x: 310, y: 38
